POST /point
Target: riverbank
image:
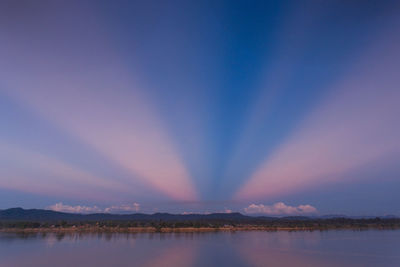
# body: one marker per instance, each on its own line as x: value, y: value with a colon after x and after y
x: 181, y: 229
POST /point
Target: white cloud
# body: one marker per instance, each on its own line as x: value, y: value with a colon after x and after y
x: 280, y: 208
x: 125, y: 207
x: 73, y: 209
x: 226, y: 210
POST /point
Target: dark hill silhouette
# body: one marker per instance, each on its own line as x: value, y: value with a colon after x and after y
x: 41, y: 215
x: 19, y: 214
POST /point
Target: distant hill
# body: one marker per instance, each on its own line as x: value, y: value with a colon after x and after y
x: 19, y: 214
x: 336, y: 216
x: 41, y: 215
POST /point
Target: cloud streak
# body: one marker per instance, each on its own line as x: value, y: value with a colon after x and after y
x: 280, y: 208
x: 74, y: 209
x: 28, y: 171
x: 91, y: 95
x: 356, y: 124
x: 135, y: 207
x: 123, y: 208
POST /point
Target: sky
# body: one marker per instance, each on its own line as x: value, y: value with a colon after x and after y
x: 259, y: 107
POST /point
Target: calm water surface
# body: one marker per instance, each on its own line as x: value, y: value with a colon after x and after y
x: 327, y: 248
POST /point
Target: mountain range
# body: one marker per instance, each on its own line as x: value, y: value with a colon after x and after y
x: 42, y: 215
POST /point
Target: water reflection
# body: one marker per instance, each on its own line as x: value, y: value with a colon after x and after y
x: 329, y: 248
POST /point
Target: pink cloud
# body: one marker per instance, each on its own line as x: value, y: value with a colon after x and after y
x: 226, y: 210
x: 280, y: 208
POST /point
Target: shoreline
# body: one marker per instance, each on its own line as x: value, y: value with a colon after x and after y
x: 180, y: 230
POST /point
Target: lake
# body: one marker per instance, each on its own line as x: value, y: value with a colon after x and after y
x: 282, y: 248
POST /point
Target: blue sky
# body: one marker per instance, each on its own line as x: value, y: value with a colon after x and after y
x: 200, y: 106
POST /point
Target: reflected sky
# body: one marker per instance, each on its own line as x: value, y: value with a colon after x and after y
x: 282, y: 248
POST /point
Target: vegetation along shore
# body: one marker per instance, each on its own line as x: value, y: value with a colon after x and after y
x: 35, y: 220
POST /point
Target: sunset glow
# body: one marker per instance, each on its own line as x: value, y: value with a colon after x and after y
x: 200, y: 108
